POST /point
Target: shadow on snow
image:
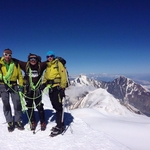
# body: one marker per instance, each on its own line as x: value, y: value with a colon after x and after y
x: 49, y: 117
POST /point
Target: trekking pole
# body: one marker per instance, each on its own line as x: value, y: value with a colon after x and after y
x: 69, y: 125
x: 63, y: 110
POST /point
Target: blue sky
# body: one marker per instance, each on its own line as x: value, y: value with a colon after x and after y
x: 94, y: 36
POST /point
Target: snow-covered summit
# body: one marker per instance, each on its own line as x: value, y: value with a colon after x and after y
x: 84, y: 80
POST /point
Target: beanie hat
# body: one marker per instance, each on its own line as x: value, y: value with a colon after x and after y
x: 8, y: 51
x: 50, y: 53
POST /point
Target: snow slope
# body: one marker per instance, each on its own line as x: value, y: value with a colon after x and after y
x: 89, y: 128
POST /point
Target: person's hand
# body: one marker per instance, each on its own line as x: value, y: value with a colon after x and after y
x: 62, y: 92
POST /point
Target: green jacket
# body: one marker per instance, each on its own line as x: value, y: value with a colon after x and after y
x: 15, y: 75
x: 56, y: 72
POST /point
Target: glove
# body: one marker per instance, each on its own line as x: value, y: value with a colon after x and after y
x: 42, y: 86
x: 62, y: 91
x: 21, y: 89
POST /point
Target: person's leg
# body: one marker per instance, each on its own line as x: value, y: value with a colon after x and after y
x: 56, y: 101
x: 41, y: 112
x: 17, y: 108
x: 30, y: 110
x: 39, y: 106
x: 6, y: 106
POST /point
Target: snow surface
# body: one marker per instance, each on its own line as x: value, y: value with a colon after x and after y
x: 101, y: 124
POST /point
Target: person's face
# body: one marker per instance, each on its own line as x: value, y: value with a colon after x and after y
x: 50, y: 57
x: 33, y: 60
x: 7, y: 57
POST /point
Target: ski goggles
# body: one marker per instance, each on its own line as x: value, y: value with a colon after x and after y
x: 32, y: 59
x: 49, y: 56
x: 7, y: 55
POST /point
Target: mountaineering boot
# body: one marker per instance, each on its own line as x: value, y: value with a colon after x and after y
x: 62, y: 127
x: 43, y: 126
x: 19, y: 125
x: 56, y: 131
x: 33, y: 125
x: 11, y: 126
x: 53, y: 128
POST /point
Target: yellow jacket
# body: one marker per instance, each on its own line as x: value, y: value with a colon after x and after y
x: 56, y: 72
x: 16, y: 75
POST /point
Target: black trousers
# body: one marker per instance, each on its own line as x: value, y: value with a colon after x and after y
x: 35, y: 99
x: 56, y: 100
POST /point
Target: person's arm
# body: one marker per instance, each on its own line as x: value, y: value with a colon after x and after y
x: 21, y: 63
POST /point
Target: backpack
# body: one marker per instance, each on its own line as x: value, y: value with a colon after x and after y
x: 63, y: 61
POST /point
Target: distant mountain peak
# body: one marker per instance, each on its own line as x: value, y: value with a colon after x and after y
x: 129, y: 92
x: 84, y: 80
x: 122, y: 88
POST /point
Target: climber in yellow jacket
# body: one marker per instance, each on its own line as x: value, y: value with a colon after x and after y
x: 55, y: 76
x: 11, y: 81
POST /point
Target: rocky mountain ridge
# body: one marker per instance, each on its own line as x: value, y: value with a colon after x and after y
x: 129, y: 93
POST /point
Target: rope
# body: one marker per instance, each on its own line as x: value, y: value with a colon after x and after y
x: 7, y: 77
x: 30, y: 80
x: 23, y: 103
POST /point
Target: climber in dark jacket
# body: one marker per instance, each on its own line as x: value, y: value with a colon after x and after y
x: 33, y: 70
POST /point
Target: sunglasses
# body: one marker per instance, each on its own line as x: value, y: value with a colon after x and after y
x: 49, y: 56
x: 32, y: 59
x: 7, y: 55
